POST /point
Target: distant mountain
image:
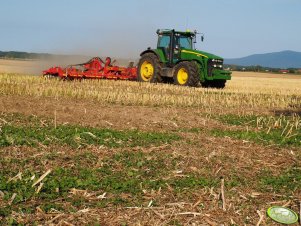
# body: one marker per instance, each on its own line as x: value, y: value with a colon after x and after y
x: 284, y: 59
x: 23, y: 55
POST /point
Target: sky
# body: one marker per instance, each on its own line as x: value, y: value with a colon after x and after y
x: 124, y: 28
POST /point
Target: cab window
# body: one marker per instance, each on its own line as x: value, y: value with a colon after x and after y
x: 164, y: 41
x: 185, y: 42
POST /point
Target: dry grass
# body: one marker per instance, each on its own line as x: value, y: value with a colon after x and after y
x: 244, y: 94
x: 288, y: 126
x: 18, y: 66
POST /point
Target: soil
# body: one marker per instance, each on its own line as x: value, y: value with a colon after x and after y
x: 98, y: 115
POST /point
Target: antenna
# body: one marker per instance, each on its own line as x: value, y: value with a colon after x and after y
x: 186, y: 25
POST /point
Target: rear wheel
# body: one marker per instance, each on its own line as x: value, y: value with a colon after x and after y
x: 149, y: 68
x: 186, y: 74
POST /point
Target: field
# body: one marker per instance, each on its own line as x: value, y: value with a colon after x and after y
x: 126, y: 153
x: 23, y: 66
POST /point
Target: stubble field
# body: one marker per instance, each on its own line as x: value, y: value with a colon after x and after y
x: 128, y: 153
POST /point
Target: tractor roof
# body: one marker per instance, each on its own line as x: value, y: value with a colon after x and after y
x: 169, y: 31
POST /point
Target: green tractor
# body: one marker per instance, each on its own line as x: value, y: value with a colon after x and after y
x: 176, y: 59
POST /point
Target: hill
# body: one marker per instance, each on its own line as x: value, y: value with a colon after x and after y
x: 284, y: 59
x: 23, y: 55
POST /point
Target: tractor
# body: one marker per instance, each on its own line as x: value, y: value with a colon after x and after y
x: 176, y: 60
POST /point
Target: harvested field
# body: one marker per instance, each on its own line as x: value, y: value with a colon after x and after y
x: 18, y: 66
x: 126, y: 153
x: 265, y: 75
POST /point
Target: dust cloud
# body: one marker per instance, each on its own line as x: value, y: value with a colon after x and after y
x: 36, y: 67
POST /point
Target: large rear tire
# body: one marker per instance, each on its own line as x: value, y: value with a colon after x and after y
x: 186, y: 74
x: 149, y: 69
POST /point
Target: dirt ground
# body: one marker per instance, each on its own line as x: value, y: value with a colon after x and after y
x: 98, y: 115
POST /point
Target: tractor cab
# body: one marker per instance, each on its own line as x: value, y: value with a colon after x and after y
x: 171, y: 42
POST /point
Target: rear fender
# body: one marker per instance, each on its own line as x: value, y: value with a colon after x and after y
x: 158, y: 52
x: 149, y: 51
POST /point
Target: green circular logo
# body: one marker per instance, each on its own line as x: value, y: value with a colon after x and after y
x: 282, y: 215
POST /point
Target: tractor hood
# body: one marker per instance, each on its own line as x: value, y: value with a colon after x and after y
x: 201, y: 54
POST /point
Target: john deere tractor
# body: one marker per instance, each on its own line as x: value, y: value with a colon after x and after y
x: 176, y: 59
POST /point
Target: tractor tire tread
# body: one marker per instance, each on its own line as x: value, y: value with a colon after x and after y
x: 193, y: 73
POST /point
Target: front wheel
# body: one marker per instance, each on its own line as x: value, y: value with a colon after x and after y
x: 186, y: 74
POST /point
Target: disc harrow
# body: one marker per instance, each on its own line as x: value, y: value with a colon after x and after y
x: 95, y: 68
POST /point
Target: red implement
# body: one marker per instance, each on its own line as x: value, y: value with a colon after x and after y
x: 95, y: 68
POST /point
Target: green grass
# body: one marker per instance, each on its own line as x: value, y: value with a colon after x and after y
x: 77, y: 136
x: 263, y: 131
x: 124, y: 173
x: 243, y: 120
x: 30, y: 132
x: 286, y: 182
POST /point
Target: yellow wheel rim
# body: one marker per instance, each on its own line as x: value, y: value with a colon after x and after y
x: 182, y: 76
x: 146, y: 71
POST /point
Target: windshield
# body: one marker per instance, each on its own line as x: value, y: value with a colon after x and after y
x: 185, y: 42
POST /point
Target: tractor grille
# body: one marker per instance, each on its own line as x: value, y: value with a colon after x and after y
x: 214, y: 64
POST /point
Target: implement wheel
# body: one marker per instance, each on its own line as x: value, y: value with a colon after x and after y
x: 149, y: 68
x: 186, y: 74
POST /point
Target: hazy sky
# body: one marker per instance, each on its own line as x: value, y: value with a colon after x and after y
x: 232, y: 28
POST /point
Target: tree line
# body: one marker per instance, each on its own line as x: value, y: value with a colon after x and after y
x: 258, y: 68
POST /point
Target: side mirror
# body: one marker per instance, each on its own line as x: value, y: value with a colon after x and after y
x: 177, y: 47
